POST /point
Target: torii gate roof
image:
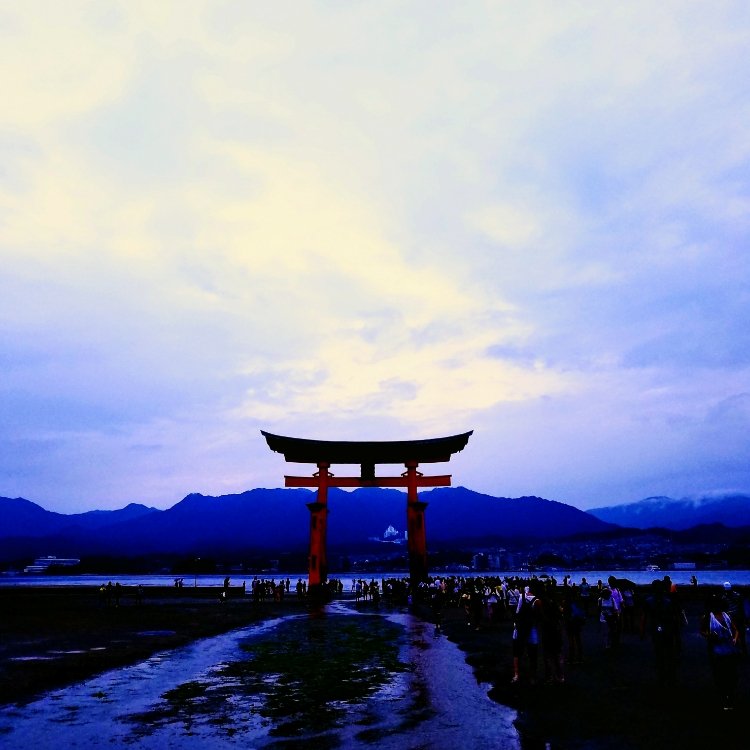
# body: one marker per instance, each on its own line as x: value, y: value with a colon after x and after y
x: 304, y: 451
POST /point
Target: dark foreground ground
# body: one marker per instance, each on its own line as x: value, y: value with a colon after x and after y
x: 613, y: 700
x: 50, y: 637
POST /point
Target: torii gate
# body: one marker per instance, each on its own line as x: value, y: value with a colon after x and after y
x: 324, y: 453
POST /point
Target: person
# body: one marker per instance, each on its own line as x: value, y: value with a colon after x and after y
x: 734, y: 607
x: 584, y: 594
x: 680, y: 616
x: 526, y: 634
x: 660, y: 619
x: 618, y: 600
x: 574, y: 617
x: 608, y: 617
x: 513, y: 596
x: 722, y: 638
x: 493, y: 607
x: 628, y: 609
x: 552, y: 639
x: 477, y: 605
x: 438, y: 603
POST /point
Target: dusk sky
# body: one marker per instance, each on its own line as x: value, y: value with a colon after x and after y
x: 372, y: 221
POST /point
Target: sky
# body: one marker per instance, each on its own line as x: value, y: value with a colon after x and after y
x: 374, y: 221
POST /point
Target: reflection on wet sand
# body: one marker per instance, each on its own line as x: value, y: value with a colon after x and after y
x: 340, y: 678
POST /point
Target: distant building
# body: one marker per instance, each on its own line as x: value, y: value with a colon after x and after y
x: 493, y: 562
x: 42, y: 564
x: 479, y: 561
x: 391, y: 535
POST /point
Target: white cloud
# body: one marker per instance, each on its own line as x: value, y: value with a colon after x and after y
x: 354, y: 220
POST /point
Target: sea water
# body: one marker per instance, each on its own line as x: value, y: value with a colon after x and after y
x: 641, y: 577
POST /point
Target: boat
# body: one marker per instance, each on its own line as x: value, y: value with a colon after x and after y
x: 41, y: 564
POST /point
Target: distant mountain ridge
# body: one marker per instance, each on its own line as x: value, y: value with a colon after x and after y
x: 732, y: 510
x: 278, y: 520
x: 22, y: 517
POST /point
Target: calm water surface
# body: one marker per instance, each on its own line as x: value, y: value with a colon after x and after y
x: 680, y: 577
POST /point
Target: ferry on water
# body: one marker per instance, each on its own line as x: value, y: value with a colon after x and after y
x: 42, y: 564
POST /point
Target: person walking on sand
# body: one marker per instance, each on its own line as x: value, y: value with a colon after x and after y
x: 438, y: 604
x: 628, y: 610
x: 552, y: 639
x: 608, y: 617
x: 584, y: 594
x: 526, y: 634
x: 617, y: 598
x: 722, y: 638
x: 660, y: 619
x: 574, y: 617
x: 734, y: 606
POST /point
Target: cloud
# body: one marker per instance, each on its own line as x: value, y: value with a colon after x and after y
x: 350, y: 221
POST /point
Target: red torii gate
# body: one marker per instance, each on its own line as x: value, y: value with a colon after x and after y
x: 324, y: 453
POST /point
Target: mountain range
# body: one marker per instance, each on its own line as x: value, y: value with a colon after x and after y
x: 731, y: 510
x: 277, y: 521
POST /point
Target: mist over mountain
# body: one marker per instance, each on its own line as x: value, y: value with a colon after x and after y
x: 732, y: 511
x: 277, y: 520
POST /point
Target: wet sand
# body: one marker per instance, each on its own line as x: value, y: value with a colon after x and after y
x: 55, y: 636
x: 349, y: 676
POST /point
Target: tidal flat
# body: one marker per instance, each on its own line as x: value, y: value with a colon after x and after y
x: 343, y: 676
x: 349, y: 675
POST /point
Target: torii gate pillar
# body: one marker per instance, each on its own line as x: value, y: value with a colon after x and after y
x: 318, y: 559
x: 416, y: 534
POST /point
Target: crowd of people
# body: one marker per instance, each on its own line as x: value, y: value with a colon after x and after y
x: 548, y: 619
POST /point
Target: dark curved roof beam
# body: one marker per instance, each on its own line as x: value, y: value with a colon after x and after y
x: 304, y: 451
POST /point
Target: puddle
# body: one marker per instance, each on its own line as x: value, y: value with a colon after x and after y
x: 33, y: 658
x: 72, y: 651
